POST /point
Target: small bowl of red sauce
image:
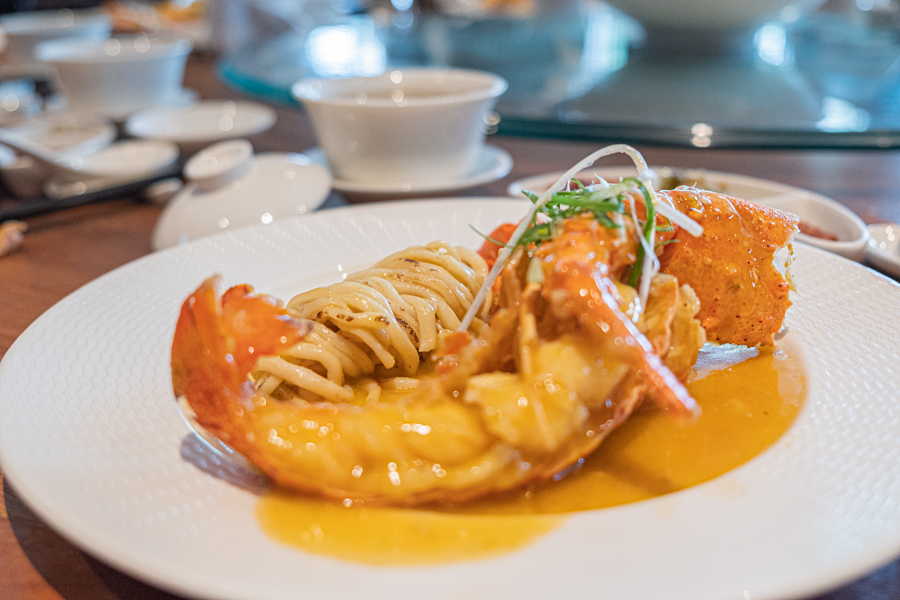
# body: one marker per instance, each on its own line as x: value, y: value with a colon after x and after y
x: 825, y: 224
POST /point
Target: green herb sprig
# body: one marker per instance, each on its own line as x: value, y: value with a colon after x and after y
x: 601, y: 203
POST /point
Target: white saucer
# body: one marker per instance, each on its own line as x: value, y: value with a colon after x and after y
x: 883, y: 252
x: 493, y: 163
x: 197, y: 126
x: 813, y: 209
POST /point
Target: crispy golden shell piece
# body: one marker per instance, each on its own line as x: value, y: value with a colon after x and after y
x: 732, y: 267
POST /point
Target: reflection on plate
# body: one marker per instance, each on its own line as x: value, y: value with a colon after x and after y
x: 493, y: 163
x: 815, y: 210
x: 90, y: 437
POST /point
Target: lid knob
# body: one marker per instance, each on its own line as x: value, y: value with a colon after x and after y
x: 220, y: 164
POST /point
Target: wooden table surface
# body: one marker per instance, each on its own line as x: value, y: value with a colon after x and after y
x: 66, y: 250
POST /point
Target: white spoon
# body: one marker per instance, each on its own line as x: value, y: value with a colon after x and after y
x: 129, y: 160
x: 60, y: 166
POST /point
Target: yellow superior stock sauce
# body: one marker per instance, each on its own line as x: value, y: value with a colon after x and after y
x: 749, y: 397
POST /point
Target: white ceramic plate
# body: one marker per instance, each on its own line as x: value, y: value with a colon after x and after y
x: 493, y: 163
x: 90, y: 438
x: 813, y: 209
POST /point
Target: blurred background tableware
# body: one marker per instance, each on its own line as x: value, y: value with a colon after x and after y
x: 19, y: 100
x: 883, y: 251
x: 68, y: 136
x: 196, y: 127
x: 128, y: 160
x: 756, y: 74
x: 707, y: 24
x: 53, y: 163
x: 118, y: 76
x: 179, y: 18
x: 405, y: 126
x: 229, y: 187
x: 24, y: 31
x: 66, y: 133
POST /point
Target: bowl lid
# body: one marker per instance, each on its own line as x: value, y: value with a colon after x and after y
x: 276, y: 186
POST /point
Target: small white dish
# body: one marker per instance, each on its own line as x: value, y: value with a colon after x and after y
x: 228, y: 187
x: 883, y: 251
x: 196, y: 127
x: 821, y: 215
x: 814, y: 210
x: 492, y: 163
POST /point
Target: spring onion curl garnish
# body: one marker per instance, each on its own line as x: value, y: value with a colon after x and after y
x: 646, y: 264
x: 645, y: 175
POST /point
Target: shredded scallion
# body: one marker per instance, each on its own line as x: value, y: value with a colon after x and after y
x: 604, y: 201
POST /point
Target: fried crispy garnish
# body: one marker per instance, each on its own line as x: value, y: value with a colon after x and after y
x: 11, y: 236
x: 732, y: 267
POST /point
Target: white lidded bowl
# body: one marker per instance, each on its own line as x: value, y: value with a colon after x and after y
x: 24, y: 31
x: 229, y: 187
x: 118, y: 76
x: 196, y: 127
x: 403, y: 126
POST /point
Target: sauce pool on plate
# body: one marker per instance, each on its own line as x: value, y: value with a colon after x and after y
x: 749, y: 397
